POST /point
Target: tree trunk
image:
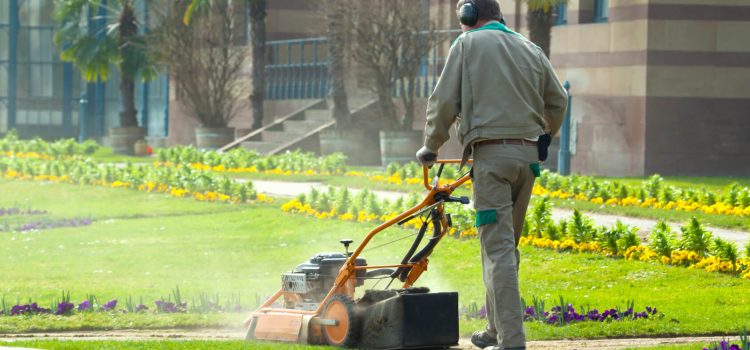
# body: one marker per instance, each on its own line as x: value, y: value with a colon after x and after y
x: 258, y: 37
x: 336, y: 28
x: 540, y: 28
x: 385, y: 100
x: 128, y: 29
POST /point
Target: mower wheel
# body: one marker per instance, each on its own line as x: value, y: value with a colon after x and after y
x: 347, y: 330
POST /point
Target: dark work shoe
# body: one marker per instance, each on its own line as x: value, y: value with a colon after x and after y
x: 482, y: 340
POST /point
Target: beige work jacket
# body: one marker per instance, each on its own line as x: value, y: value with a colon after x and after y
x: 498, y: 85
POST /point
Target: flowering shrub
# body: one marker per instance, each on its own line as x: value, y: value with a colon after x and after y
x: 49, y: 224
x: 619, y: 240
x: 173, y: 304
x: 410, y: 174
x: 725, y: 345
x: 652, y: 193
x: 340, y: 204
x: 11, y: 146
x: 240, y: 160
x: 565, y: 313
x: 182, y: 182
x: 18, y: 211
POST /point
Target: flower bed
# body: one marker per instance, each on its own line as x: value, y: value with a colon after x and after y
x: 182, y: 182
x: 11, y: 146
x: 696, y: 249
x: 240, y: 160
x: 564, y: 313
x: 173, y: 304
x: 652, y: 193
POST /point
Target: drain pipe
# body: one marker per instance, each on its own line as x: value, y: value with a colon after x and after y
x: 563, y: 155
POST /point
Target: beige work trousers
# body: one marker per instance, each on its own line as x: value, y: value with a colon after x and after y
x: 503, y: 180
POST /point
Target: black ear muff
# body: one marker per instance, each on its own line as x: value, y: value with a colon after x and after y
x: 468, y: 14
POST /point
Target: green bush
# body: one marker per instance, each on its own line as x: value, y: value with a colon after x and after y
x: 662, y: 240
x: 695, y: 238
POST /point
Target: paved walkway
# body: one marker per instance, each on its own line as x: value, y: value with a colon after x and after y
x: 235, y: 334
x: 292, y: 189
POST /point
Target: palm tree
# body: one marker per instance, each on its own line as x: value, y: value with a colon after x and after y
x: 257, y: 11
x: 120, y: 44
x: 540, y: 17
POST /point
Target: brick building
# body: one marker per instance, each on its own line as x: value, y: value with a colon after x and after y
x: 659, y: 85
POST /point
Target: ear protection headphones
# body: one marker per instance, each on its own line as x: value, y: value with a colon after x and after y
x: 468, y: 13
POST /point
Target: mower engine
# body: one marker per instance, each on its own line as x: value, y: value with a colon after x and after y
x: 312, y: 279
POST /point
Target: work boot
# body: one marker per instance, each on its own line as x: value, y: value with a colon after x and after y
x: 483, y: 340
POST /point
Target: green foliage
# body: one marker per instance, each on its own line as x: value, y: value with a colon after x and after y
x: 541, y: 216
x: 662, y: 240
x: 580, y: 228
x: 695, y: 238
x: 609, y: 237
x: 95, y: 53
x: 553, y: 231
x: 653, y: 185
x: 58, y: 149
x: 726, y: 250
x: 238, y: 158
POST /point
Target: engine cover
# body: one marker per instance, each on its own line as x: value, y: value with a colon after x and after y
x: 314, y: 278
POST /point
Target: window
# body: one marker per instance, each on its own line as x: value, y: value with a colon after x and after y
x: 561, y: 14
x: 601, y: 10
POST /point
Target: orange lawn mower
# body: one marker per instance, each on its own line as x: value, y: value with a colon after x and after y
x: 316, y: 303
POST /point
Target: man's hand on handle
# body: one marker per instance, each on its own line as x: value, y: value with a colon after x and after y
x: 426, y: 156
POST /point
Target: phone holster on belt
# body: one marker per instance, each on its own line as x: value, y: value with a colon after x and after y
x: 542, y: 146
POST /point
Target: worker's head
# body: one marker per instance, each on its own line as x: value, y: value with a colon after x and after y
x: 476, y: 13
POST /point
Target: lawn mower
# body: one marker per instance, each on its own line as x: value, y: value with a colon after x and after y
x: 316, y: 303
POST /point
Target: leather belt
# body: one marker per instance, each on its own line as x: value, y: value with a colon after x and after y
x: 520, y: 142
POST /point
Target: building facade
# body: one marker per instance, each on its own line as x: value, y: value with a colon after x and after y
x: 659, y: 86
x: 41, y: 96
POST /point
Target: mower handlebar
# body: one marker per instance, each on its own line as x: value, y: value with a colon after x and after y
x: 426, y: 173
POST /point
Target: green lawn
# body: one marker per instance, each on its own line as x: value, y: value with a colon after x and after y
x: 105, y: 155
x: 153, y: 345
x: 143, y: 245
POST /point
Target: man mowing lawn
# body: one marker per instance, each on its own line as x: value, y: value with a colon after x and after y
x: 510, y: 103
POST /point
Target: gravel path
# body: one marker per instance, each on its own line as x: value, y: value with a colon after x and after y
x: 292, y: 189
x: 234, y: 334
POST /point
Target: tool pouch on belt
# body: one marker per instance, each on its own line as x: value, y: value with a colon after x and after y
x: 542, y: 146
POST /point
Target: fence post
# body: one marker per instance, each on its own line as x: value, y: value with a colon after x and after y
x: 13, y: 29
x: 146, y: 86
x: 563, y: 155
x: 82, y: 117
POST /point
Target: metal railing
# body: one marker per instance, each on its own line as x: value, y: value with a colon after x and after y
x: 298, y: 69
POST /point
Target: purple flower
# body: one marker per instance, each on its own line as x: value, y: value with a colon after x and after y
x: 28, y: 309
x: 141, y: 308
x: 84, y: 306
x: 529, y: 313
x: 64, y: 308
x: 482, y: 313
x: 166, y: 307
x: 110, y: 305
